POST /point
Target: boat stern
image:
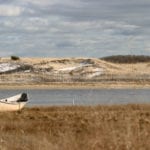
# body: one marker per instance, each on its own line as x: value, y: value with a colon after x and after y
x: 23, y: 98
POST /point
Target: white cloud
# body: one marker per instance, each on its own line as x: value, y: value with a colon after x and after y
x: 51, y: 2
x: 41, y: 2
x: 35, y: 24
x: 100, y: 24
x: 77, y: 28
x: 22, y: 25
x: 10, y: 10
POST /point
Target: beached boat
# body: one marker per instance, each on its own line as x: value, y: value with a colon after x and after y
x: 13, y: 103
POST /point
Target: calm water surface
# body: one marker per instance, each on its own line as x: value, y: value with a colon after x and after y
x: 82, y: 96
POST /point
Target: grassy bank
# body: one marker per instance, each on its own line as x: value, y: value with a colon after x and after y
x: 81, y: 85
x: 77, y: 128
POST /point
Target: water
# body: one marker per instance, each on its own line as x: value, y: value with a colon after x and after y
x: 82, y: 96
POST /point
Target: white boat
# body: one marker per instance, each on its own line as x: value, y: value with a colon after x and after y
x: 13, y: 103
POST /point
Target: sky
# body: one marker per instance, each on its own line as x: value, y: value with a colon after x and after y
x: 74, y: 28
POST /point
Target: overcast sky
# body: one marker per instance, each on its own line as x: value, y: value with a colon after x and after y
x: 74, y: 28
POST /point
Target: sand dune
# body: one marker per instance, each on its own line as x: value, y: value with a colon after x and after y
x: 64, y: 70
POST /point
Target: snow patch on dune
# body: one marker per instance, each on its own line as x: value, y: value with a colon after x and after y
x: 87, y: 69
x: 5, y: 67
x: 96, y: 72
x: 67, y: 69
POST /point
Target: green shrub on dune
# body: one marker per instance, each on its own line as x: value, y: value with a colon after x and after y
x: 15, y: 58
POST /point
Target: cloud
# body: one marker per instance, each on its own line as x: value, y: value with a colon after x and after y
x: 51, y: 2
x: 10, y: 10
x: 74, y: 28
x: 56, y: 36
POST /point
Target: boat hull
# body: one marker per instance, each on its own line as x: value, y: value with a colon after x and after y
x: 14, y: 103
x: 11, y: 106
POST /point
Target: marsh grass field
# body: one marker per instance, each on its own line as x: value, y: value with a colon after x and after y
x: 118, y: 127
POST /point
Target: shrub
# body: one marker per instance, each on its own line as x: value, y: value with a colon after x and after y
x: 15, y: 58
x: 127, y: 59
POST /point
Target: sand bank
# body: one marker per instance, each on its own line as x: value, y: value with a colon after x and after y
x: 79, y: 85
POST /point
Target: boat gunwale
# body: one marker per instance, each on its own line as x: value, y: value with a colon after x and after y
x: 11, y: 103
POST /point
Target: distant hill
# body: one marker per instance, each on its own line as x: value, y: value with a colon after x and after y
x: 127, y: 59
x: 27, y: 71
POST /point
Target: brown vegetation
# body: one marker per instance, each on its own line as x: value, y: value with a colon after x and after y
x: 122, y: 127
x: 127, y: 59
x: 15, y: 58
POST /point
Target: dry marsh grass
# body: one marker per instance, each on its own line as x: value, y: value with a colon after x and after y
x: 124, y: 127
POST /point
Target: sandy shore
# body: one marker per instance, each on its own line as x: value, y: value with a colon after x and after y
x: 79, y: 85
